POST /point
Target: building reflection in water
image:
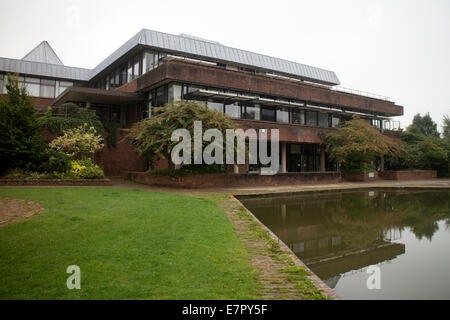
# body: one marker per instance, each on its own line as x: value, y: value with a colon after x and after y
x: 335, y: 233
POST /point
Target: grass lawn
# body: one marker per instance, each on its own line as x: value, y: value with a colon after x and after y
x: 129, y: 244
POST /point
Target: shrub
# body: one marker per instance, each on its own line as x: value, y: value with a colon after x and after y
x: 85, y: 169
x: 54, y: 161
x: 78, y: 143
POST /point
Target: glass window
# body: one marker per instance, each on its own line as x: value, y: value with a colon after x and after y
x: 249, y: 112
x: 298, y: 117
x: 268, y: 114
x: 323, y: 119
x: 33, y: 89
x: 335, y: 122
x: 283, y: 115
x: 148, y: 61
x: 47, y: 91
x: 36, y: 80
x: 123, y: 79
x: 311, y: 118
x: 130, y: 72
x: 233, y: 110
x: 117, y: 78
x: 160, y: 97
x: 215, y: 106
x: 174, y: 92
x: 136, y: 67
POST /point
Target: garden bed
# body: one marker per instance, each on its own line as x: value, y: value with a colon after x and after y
x: 55, y: 182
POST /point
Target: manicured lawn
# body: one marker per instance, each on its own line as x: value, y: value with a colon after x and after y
x: 129, y: 244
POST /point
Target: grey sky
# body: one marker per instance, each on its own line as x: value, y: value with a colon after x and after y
x: 396, y: 48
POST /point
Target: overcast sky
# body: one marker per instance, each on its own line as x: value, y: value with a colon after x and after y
x: 395, y: 48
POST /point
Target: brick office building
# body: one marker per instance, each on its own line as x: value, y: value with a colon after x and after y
x: 257, y: 91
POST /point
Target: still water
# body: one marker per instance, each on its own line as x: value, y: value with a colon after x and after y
x: 339, y: 235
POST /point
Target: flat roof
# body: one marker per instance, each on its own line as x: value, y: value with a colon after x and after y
x: 100, y: 96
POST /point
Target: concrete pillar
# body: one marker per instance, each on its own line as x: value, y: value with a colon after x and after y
x: 236, y: 169
x: 382, y: 163
x: 283, y: 157
x: 322, y: 158
x: 88, y: 105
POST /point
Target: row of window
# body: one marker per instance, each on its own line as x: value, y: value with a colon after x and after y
x: 243, y: 110
x: 38, y: 87
x: 133, y: 68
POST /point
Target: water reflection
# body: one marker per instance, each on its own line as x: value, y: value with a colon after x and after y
x: 337, y: 233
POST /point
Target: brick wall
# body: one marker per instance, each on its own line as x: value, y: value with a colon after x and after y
x: 217, y: 180
x: 408, y: 175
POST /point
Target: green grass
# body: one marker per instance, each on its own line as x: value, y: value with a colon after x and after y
x: 129, y: 244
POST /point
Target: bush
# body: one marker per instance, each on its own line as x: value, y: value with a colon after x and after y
x: 54, y: 161
x: 78, y: 143
x: 85, y: 169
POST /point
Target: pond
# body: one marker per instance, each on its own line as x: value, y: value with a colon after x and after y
x: 367, y: 244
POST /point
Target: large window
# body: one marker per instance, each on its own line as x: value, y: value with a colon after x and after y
x: 174, y: 92
x: 298, y: 117
x: 215, y: 105
x: 47, y: 88
x: 233, y: 110
x: 283, y: 115
x: 323, y: 119
x: 136, y: 71
x: 250, y: 112
x: 130, y: 72
x: 32, y: 86
x: 311, y: 118
x: 268, y: 114
x: 61, y: 86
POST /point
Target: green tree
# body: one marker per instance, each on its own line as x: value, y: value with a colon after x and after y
x: 152, y: 137
x: 424, y: 125
x: 357, y: 144
x: 446, y: 127
x: 21, y: 143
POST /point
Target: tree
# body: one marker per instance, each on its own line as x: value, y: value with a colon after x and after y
x: 21, y: 143
x: 152, y: 137
x: 357, y: 144
x: 446, y: 127
x: 78, y: 143
x: 424, y: 125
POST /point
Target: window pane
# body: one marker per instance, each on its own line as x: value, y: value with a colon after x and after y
x: 233, y: 110
x: 282, y: 115
x: 311, y: 118
x: 2, y: 84
x: 323, y: 119
x: 136, y: 67
x: 174, y: 92
x: 148, y: 61
x: 32, y: 89
x: 335, y: 122
x: 47, y: 91
x: 65, y: 83
x: 298, y: 117
x: 268, y: 114
x: 32, y: 80
x: 215, y: 106
x: 130, y: 72
x: 47, y: 82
